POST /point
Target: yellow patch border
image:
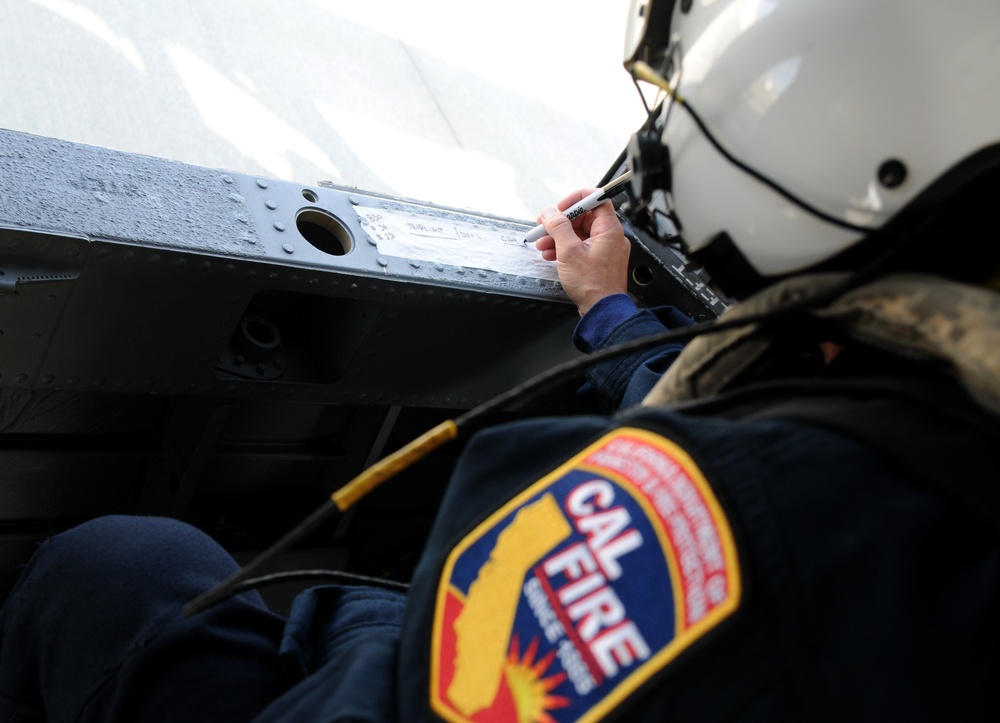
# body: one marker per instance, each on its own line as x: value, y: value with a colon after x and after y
x: 684, y: 638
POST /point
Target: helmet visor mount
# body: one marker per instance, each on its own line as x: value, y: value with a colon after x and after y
x: 648, y: 157
x: 653, y: 55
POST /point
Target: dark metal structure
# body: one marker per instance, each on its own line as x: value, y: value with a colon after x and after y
x: 228, y: 349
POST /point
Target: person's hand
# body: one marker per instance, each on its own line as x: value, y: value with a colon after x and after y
x: 591, y: 251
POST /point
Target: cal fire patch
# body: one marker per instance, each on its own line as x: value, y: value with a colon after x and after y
x: 578, y: 590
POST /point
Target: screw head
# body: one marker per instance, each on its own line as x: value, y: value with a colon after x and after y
x: 892, y: 173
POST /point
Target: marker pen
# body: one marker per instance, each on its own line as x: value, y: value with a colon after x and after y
x: 581, y: 207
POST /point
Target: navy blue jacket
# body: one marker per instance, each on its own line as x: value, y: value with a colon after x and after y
x: 795, y: 549
x: 623, y: 382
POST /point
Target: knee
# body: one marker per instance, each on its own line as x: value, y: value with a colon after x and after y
x: 135, y: 544
x: 110, y: 555
x: 94, y: 595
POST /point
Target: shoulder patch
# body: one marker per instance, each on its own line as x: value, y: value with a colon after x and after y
x: 578, y: 590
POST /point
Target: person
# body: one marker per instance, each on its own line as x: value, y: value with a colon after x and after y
x: 799, y: 520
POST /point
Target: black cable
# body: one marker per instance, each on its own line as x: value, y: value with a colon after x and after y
x: 467, y: 423
x: 332, y: 575
x: 635, y: 82
x: 479, y: 416
x: 224, y: 590
x: 483, y: 415
x: 770, y: 183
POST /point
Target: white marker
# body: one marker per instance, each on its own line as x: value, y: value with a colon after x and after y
x: 581, y: 207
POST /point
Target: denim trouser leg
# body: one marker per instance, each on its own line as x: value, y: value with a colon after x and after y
x: 92, y: 631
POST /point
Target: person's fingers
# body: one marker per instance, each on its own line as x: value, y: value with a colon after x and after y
x: 560, y: 229
x: 547, y: 246
x: 604, y: 227
x: 545, y: 243
x: 605, y: 212
x: 575, y: 197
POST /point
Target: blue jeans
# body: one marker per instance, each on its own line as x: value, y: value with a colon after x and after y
x: 92, y: 631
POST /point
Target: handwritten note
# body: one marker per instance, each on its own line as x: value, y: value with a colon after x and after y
x: 455, y: 240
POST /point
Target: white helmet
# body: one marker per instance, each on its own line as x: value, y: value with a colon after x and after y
x: 821, y: 120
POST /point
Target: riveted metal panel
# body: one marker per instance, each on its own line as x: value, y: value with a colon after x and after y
x: 173, y: 261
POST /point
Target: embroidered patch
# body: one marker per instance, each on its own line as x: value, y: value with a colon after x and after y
x: 578, y: 590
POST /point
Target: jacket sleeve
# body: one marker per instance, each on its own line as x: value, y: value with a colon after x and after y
x: 624, y: 381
